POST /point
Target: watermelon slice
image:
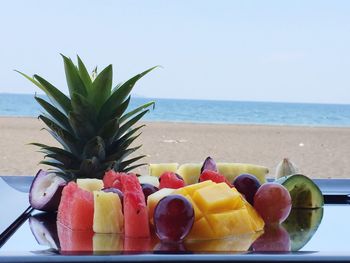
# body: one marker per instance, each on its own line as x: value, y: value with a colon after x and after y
x: 111, y: 179
x: 76, y: 209
x: 135, y: 211
x: 213, y: 176
x: 171, y: 180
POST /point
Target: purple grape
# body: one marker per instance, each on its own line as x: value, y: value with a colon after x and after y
x: 116, y: 191
x: 148, y: 189
x: 247, y: 185
x: 173, y: 218
x: 209, y: 164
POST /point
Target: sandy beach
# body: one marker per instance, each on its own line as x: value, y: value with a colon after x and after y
x: 319, y: 152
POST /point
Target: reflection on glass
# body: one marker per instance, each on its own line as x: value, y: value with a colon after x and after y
x: 292, y: 235
x: 274, y: 239
x: 44, y: 229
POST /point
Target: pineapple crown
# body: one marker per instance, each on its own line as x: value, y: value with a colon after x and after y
x: 92, y: 123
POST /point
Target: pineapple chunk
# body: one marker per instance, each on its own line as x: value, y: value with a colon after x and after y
x: 190, y: 172
x: 153, y: 199
x: 157, y: 169
x: 90, y: 184
x: 232, y: 170
x: 108, y: 216
x: 147, y: 179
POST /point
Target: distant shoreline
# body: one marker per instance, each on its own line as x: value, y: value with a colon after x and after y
x: 216, y: 112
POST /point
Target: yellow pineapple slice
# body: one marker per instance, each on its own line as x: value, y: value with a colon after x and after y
x: 232, y: 170
x: 190, y: 172
x: 90, y: 184
x: 147, y: 179
x: 108, y: 216
x: 157, y: 169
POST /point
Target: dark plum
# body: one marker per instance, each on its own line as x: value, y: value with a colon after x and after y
x: 116, y: 191
x: 148, y: 189
x: 173, y: 218
x: 209, y: 164
x: 45, y: 191
x: 247, y: 185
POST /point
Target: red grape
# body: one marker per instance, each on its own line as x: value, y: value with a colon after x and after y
x: 273, y: 202
x: 247, y: 185
x: 148, y: 189
x: 173, y: 218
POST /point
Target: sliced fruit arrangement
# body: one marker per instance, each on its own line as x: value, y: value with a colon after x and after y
x: 213, y: 208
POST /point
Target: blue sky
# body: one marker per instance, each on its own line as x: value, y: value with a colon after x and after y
x: 295, y: 51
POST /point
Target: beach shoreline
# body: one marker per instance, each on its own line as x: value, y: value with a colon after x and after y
x: 319, y: 152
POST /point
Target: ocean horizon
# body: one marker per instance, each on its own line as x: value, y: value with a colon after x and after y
x: 210, y: 111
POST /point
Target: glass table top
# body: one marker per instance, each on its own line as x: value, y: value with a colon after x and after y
x: 306, y: 233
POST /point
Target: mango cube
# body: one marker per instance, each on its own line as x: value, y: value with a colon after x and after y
x: 220, y: 211
x: 217, y: 197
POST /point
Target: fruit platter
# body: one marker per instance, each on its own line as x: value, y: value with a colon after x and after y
x: 91, y: 204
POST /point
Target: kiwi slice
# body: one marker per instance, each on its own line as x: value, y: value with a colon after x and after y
x: 303, y: 191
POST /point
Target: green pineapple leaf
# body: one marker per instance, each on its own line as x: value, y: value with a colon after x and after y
x: 130, y: 168
x: 137, y: 110
x: 101, y: 87
x: 125, y: 164
x: 59, y: 117
x: 84, y: 75
x: 109, y: 130
x: 62, y: 100
x: 93, y: 124
x: 95, y: 148
x: 126, y: 126
x: 74, y: 82
x: 120, y: 94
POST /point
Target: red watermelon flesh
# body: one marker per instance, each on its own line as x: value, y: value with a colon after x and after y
x: 112, y: 179
x: 76, y: 209
x: 135, y: 211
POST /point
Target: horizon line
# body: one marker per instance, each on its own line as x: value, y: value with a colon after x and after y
x: 138, y: 96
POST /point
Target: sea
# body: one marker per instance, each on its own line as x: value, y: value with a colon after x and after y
x: 210, y: 111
